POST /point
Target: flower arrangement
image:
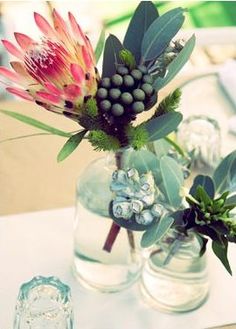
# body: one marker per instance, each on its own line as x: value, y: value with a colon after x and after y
x: 59, y: 74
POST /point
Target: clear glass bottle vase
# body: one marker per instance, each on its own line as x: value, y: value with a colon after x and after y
x: 93, y: 266
x: 174, y: 277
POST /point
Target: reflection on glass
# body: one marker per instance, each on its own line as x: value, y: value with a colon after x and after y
x: 200, y: 136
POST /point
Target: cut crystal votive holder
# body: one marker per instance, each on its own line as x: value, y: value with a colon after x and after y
x: 44, y: 303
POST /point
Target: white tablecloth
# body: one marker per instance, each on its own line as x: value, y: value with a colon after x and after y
x: 41, y: 243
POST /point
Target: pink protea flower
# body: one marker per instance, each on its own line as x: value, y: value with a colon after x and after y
x: 58, y: 72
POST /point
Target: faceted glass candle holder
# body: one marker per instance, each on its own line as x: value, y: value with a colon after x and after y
x: 200, y: 136
x: 44, y: 303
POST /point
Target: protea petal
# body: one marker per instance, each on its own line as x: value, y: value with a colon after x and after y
x: 77, y: 72
x: 61, y: 27
x: 23, y: 40
x: 10, y: 75
x: 53, y: 89
x: 20, y: 93
x: 54, y: 99
x: 86, y: 57
x: 72, y: 91
x: 13, y: 50
x: 44, y: 26
x: 19, y: 68
x: 79, y: 35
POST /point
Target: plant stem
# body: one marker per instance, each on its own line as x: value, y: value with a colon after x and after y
x: 115, y: 228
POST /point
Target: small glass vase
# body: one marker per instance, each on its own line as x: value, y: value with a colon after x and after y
x: 93, y: 266
x: 174, y: 277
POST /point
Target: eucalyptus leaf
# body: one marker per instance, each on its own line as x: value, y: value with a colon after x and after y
x: 160, y: 33
x: 144, y: 15
x: 206, y: 182
x: 161, y: 147
x: 176, y: 65
x: 223, y: 173
x: 161, y: 126
x: 156, y: 232
x: 221, y: 252
x: 111, y: 55
x: 231, y: 200
x: 142, y: 160
x: 172, y: 178
x: 35, y: 123
x: 70, y: 145
x: 100, y: 45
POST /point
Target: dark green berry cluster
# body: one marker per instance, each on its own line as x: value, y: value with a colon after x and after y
x: 126, y: 94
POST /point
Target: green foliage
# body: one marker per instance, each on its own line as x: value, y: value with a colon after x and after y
x: 127, y: 58
x: 160, y: 127
x: 225, y: 173
x: 91, y: 107
x: 160, y: 33
x: 102, y: 141
x: 169, y: 104
x: 220, y: 250
x: 206, y: 182
x: 71, y: 144
x: 156, y: 232
x: 143, y: 17
x: 35, y: 123
x: 137, y: 136
x: 176, y: 65
x: 111, y: 56
x: 172, y: 180
x: 100, y: 45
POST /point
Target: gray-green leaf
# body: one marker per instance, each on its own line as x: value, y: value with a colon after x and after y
x: 100, y: 45
x: 223, y: 173
x: 112, y: 49
x: 35, y: 123
x: 221, y: 252
x: 172, y: 178
x: 161, y: 126
x: 144, y: 15
x: 176, y: 65
x: 70, y: 145
x: 160, y: 33
x: 156, y: 232
x: 206, y: 182
x: 142, y: 160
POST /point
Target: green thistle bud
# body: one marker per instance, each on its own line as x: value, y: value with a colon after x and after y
x: 128, y: 81
x: 114, y: 93
x: 105, y: 83
x: 122, y: 70
x: 147, y: 78
x: 117, y: 80
x: 139, y: 94
x: 138, y: 107
x: 147, y: 88
x: 126, y: 98
x: 102, y: 93
x: 117, y: 110
x: 105, y: 105
x: 127, y: 58
x: 136, y: 74
x: 143, y: 69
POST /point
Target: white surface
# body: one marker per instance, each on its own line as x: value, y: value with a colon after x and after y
x: 41, y: 243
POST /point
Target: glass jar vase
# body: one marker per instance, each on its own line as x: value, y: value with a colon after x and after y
x: 174, y: 277
x: 94, y: 265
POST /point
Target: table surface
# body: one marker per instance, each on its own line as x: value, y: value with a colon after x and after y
x: 40, y: 243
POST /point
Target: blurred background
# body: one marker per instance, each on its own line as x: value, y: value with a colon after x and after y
x: 30, y: 178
